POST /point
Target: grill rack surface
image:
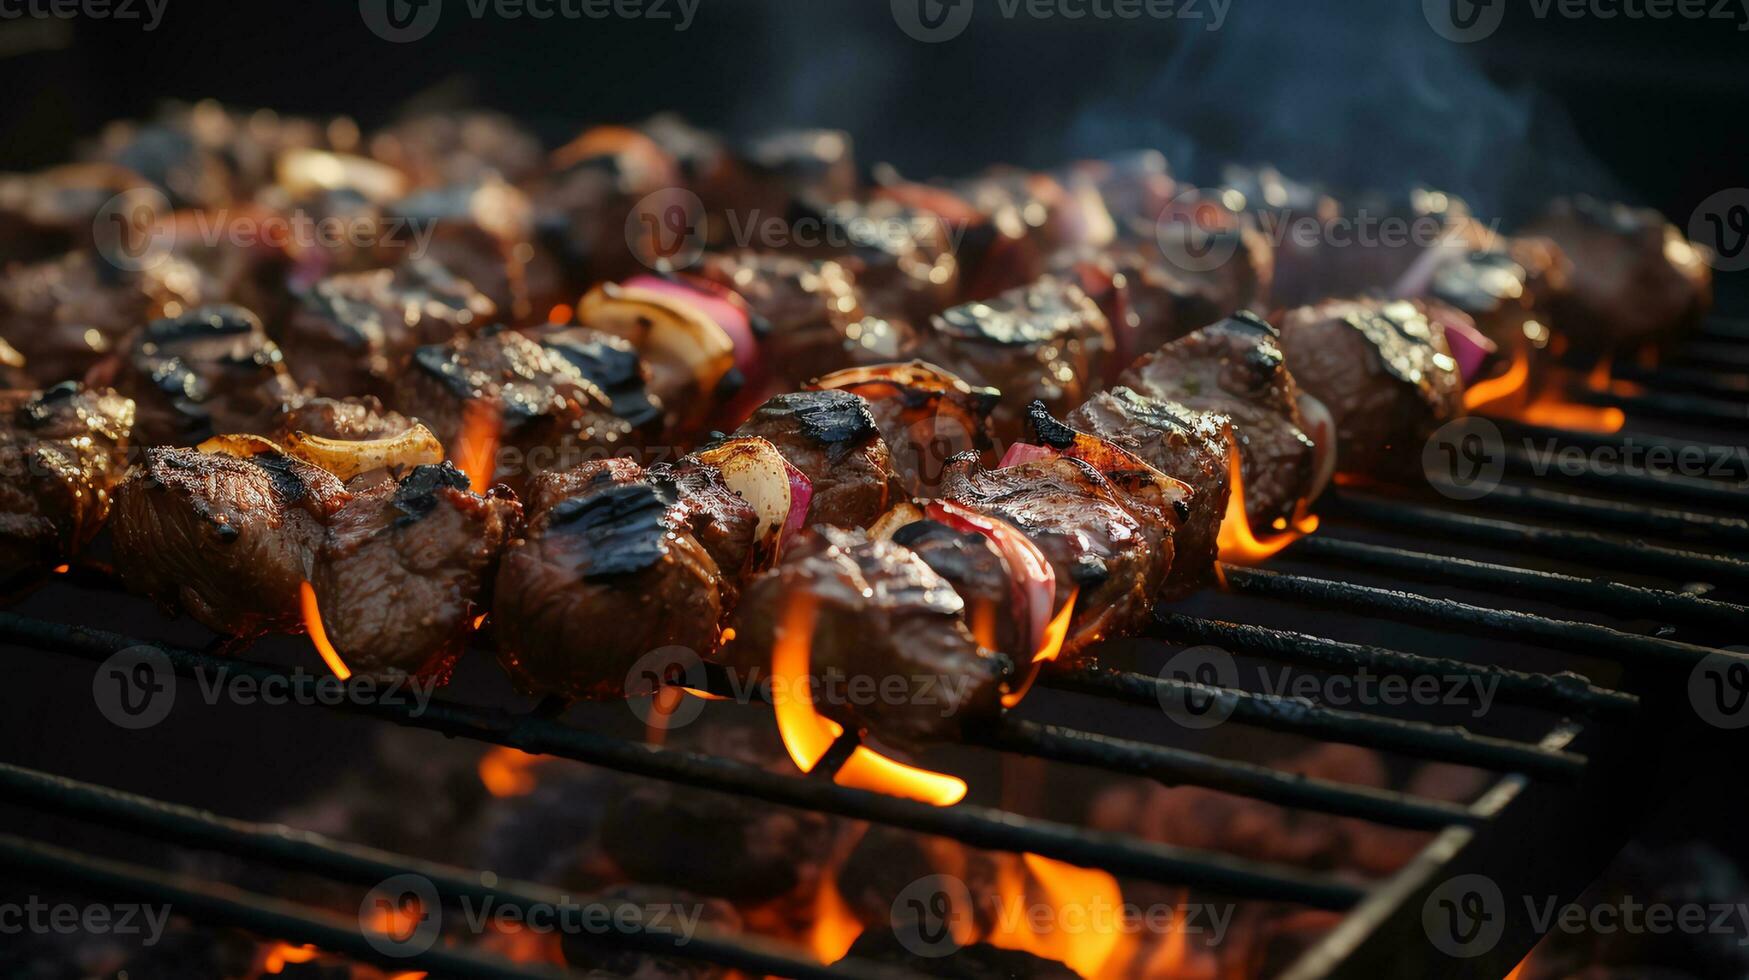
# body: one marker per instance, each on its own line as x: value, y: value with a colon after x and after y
x: 1558, y: 810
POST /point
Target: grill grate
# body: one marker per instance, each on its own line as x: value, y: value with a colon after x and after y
x: 1610, y: 750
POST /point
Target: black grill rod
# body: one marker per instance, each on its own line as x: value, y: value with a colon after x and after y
x: 1728, y: 328
x: 1729, y: 384
x: 1597, y: 595
x: 1724, y: 457
x: 1567, y: 693
x: 978, y: 826
x: 1629, y: 554
x: 1621, y: 515
x: 1584, y: 639
x: 1693, y: 409
x: 1715, y: 354
x: 1176, y: 767
x: 303, y: 851
x: 1300, y: 716
x: 1641, y: 484
x: 259, y: 914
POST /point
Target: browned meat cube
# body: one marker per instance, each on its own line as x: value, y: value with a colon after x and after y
x: 615, y: 367
x: 208, y: 371
x: 361, y: 419
x: 926, y: 414
x: 832, y: 438
x: 62, y: 451
x: 484, y: 232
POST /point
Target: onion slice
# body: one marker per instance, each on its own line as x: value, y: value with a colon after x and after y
x: 778, y: 492
x: 1035, y: 581
x: 680, y: 341
x: 347, y: 459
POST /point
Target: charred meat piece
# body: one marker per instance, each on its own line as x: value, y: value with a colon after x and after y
x: 355, y: 334
x: 832, y: 438
x: 1099, y: 549
x: 901, y: 257
x: 1636, y: 279
x: 207, y: 371
x: 584, y: 205
x: 227, y: 539
x: 1494, y: 290
x: 770, y: 172
x: 978, y: 572
x: 502, y: 388
x: 66, y: 314
x: 1236, y: 368
x: 170, y: 153
x: 1385, y: 373
x: 1208, y: 244
x: 1045, y: 341
x: 1191, y: 446
x: 402, y: 568
x: 1147, y: 304
x: 692, y: 356
x: 351, y: 419
x: 615, y: 367
x: 53, y: 211
x: 483, y: 231
x: 816, y: 322
x: 62, y: 451
x: 612, y: 567
x: 880, y: 613
x: 926, y: 414
x: 436, y: 150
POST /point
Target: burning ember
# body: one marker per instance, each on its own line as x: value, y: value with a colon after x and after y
x: 318, y: 635
x: 505, y: 771
x: 1089, y: 948
x: 1491, y: 391
x: 476, y: 449
x: 808, y: 735
x: 1238, y: 544
x: 1049, y: 647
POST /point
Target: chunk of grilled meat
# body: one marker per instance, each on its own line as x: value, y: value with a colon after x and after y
x: 483, y: 230
x: 66, y: 314
x: 768, y: 173
x: 351, y: 419
x: 1086, y: 529
x: 49, y: 212
x: 584, y: 203
x: 1186, y: 444
x: 203, y: 372
x: 927, y: 415
x: 355, y: 334
x: 881, y: 617
x: 1046, y: 341
x: 815, y: 318
x: 901, y: 257
x: 1636, y: 279
x: 1236, y: 368
x: 1220, y: 250
x: 1385, y: 372
x: 832, y: 438
x: 402, y: 569
x: 435, y: 150
x: 617, y: 561
x: 546, y: 414
x: 1146, y: 302
x: 1494, y: 290
x: 978, y: 572
x: 226, y: 539
x: 62, y: 451
x: 614, y: 366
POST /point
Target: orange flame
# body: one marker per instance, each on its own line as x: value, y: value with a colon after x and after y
x: 1087, y: 934
x: 518, y: 944
x: 62, y: 569
x: 560, y: 313
x: 476, y: 451
x: 318, y: 635
x: 1238, y: 545
x: 808, y: 735
x: 1491, y: 390
x: 281, y: 954
x: 505, y: 771
x: 835, y: 927
x: 1050, y: 645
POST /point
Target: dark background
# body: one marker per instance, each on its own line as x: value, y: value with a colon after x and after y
x: 1356, y: 92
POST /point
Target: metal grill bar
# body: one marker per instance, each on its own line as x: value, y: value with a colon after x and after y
x: 1675, y: 563
x: 259, y: 914
x: 978, y: 826
x: 1713, y: 454
x: 1729, y: 354
x: 1611, y: 598
x: 1619, y: 514
x: 1300, y: 716
x: 299, y: 850
x: 1407, y: 607
x: 1691, y: 408
x: 1645, y: 483
x: 1689, y: 379
x: 1728, y: 328
x: 1173, y: 767
x: 1566, y: 693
